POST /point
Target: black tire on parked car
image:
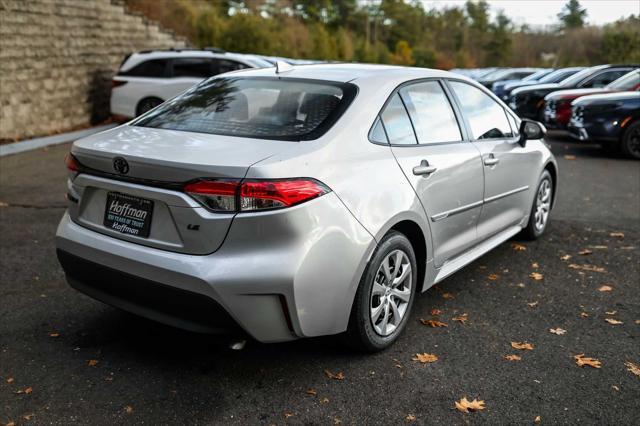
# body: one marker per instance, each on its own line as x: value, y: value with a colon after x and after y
x: 630, y: 143
x: 147, y: 104
x: 541, y: 208
x: 377, y: 294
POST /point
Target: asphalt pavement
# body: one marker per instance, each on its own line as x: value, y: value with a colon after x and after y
x: 67, y: 359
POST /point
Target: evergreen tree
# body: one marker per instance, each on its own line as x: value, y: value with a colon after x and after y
x: 573, y: 15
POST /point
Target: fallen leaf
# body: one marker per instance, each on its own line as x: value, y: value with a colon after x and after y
x: 537, y: 419
x: 410, y: 418
x: 522, y: 346
x: 611, y: 312
x: 462, y: 319
x: 447, y: 296
x: 535, y: 265
x: 518, y: 247
x: 585, y: 252
x: 312, y: 392
x: 533, y: 304
x: 586, y: 267
x: 637, y: 321
x: 613, y: 321
x: 492, y: 277
x: 581, y: 361
x: 465, y: 405
x: 605, y: 288
x: 435, y: 312
x: 11, y: 424
x: 433, y: 323
x: 25, y: 391
x: 324, y: 401
x: 615, y: 387
x: 425, y: 358
x: 512, y: 357
x: 92, y: 362
x: 600, y: 247
x: 569, y: 157
x: 3, y: 204
x: 565, y: 257
x: 288, y: 414
x: 128, y: 409
x: 536, y: 276
x: 337, y: 421
x: 336, y: 376
x: 627, y: 248
x: 28, y: 416
x: 10, y: 380
x: 617, y: 234
x: 559, y: 331
x: 521, y: 285
x: 54, y: 334
x: 633, y: 368
x: 584, y: 314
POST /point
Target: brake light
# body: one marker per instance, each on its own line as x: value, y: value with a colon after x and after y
x: 71, y: 162
x: 117, y: 83
x: 254, y: 195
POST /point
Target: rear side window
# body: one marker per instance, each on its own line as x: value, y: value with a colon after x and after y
x: 192, y: 67
x: 255, y: 107
x: 604, y: 78
x: 225, y: 65
x: 487, y: 118
x: 397, y: 124
x: 152, y: 68
x: 431, y: 113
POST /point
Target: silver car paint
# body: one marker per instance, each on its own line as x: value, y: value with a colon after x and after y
x: 314, y: 254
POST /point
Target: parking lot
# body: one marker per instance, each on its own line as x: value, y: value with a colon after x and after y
x: 67, y: 359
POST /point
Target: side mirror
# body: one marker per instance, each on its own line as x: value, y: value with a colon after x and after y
x: 530, y: 130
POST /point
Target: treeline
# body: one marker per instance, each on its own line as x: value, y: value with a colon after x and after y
x: 394, y: 31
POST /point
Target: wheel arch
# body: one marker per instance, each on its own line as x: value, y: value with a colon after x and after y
x: 553, y: 171
x: 145, y: 98
x: 416, y: 237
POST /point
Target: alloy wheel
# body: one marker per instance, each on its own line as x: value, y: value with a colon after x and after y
x: 390, y: 293
x: 543, y: 205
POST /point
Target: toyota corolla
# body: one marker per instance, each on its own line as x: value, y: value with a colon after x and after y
x: 297, y: 202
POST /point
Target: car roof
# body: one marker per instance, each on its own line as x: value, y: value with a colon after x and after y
x: 351, y: 72
x: 139, y: 57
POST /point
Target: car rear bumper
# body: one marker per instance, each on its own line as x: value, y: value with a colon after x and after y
x: 279, y: 277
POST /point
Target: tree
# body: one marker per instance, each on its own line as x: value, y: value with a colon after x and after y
x: 498, y: 48
x: 403, y: 54
x: 573, y: 15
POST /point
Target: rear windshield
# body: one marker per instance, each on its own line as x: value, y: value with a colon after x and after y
x: 255, y: 107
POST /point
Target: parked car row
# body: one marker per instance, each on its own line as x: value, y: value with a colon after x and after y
x: 599, y: 104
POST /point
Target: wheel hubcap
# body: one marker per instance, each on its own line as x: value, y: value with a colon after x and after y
x: 390, y: 293
x: 543, y: 204
x: 633, y: 143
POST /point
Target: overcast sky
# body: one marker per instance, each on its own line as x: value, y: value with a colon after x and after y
x: 543, y: 12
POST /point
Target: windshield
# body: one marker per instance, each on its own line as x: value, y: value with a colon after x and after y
x: 255, y: 107
x: 577, y: 77
x: 536, y: 75
x: 629, y: 81
x: 559, y: 75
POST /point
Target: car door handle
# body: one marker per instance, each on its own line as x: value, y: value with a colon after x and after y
x: 424, y: 168
x: 491, y: 161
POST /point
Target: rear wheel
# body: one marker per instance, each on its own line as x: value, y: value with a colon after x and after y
x: 147, y: 104
x: 385, y: 295
x: 630, y: 144
x: 541, y: 208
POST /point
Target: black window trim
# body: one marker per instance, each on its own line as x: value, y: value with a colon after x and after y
x: 590, y: 78
x: 172, y: 61
x: 456, y: 112
x: 168, y: 68
x: 505, y: 109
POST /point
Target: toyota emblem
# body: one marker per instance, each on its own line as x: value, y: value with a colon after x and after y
x: 120, y: 165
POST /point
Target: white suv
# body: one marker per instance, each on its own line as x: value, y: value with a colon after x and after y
x: 148, y: 78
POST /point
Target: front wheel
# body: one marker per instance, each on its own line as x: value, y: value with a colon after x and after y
x: 385, y: 295
x: 630, y: 145
x: 541, y: 208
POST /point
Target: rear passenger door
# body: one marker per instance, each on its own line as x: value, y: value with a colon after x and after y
x: 444, y: 169
x: 508, y: 167
x: 187, y: 72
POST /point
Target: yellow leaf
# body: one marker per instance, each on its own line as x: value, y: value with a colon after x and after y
x: 312, y: 392
x: 462, y: 319
x: 52, y: 334
x: 465, y: 405
x: 536, y: 276
x: 605, y: 288
x: 523, y: 346
x: 535, y: 265
x: 492, y: 277
x: 565, y: 257
x: 518, y: 247
x: 617, y: 234
x: 324, y: 401
x: 611, y: 312
x: 613, y: 321
x: 25, y: 390
x: 425, y: 358
x: 28, y: 416
x: 584, y: 314
x: 537, y: 419
x: 585, y: 252
x: 435, y: 312
x: 335, y: 376
x: 447, y: 295
x: 128, y: 409
x: 633, y: 368
x: 586, y: 267
x: 92, y: 362
x: 10, y: 380
x: 600, y: 247
x: 433, y: 323
x: 513, y: 357
x: 337, y: 421
x: 533, y: 304
x: 569, y: 157
x: 288, y: 414
x: 410, y: 418
x: 581, y: 361
x: 559, y: 331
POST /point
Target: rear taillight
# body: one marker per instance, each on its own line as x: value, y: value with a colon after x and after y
x: 117, y: 83
x: 71, y: 163
x: 254, y: 195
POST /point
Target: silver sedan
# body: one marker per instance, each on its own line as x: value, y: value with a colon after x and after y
x: 302, y: 201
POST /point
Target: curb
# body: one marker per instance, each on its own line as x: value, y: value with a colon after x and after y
x: 31, y: 144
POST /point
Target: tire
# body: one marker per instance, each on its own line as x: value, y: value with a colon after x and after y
x: 541, y: 208
x: 365, y: 334
x: 147, y: 104
x: 630, y: 143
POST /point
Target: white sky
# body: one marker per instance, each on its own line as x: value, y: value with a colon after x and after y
x: 543, y: 12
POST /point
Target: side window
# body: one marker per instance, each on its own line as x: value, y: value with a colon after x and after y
x: 225, y: 65
x: 377, y: 133
x: 515, y: 125
x: 192, y: 67
x: 604, y: 78
x: 488, y: 120
x: 397, y: 124
x: 431, y: 113
x: 152, y: 68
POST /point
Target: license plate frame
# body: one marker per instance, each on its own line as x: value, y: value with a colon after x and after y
x: 128, y: 214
